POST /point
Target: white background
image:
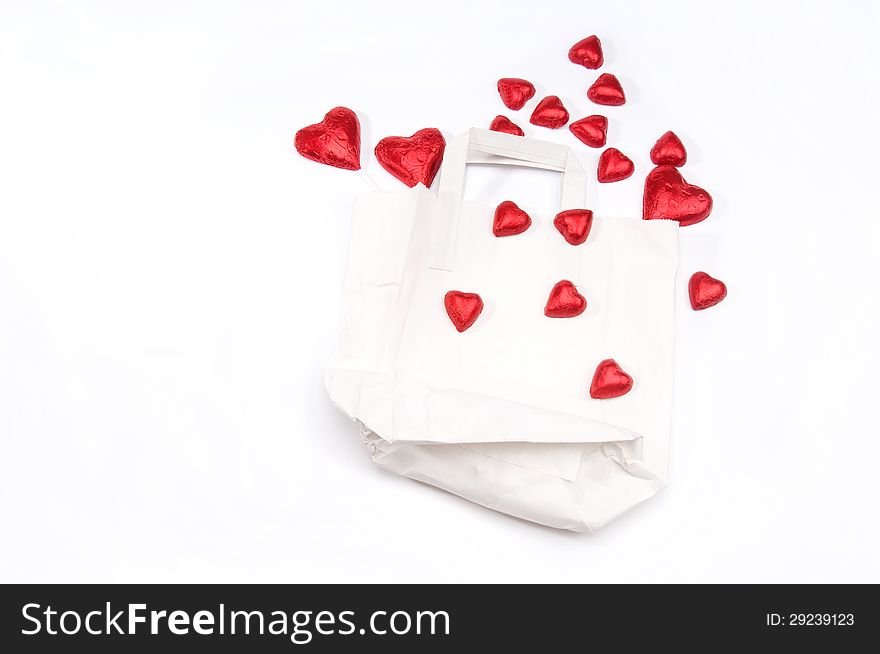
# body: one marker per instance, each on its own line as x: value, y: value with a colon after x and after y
x: 170, y: 272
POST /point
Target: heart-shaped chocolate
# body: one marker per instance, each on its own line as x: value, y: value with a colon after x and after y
x: 463, y: 308
x: 550, y: 112
x: 669, y: 151
x: 609, y: 381
x: 574, y: 224
x: 606, y: 90
x: 564, y: 301
x: 515, y: 92
x: 592, y: 130
x: 504, y: 124
x: 614, y: 166
x: 335, y: 141
x: 412, y: 159
x: 705, y: 291
x: 587, y: 53
x: 510, y: 220
x: 668, y: 197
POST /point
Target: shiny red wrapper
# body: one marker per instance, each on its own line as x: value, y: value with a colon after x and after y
x: 614, y: 166
x: 592, y: 130
x: 610, y: 381
x: 668, y: 196
x: 510, y: 220
x: 587, y: 53
x: 669, y: 151
x: 515, y: 92
x: 564, y: 301
x: 335, y: 141
x: 463, y: 309
x: 550, y: 112
x: 412, y: 159
x: 607, y: 90
x: 574, y: 225
x: 705, y: 291
x: 504, y: 124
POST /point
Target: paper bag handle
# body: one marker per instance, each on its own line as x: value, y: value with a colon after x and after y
x: 482, y: 146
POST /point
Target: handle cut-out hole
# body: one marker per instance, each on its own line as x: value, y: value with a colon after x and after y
x: 533, y: 189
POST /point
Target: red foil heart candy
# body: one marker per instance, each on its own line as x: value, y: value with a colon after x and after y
x: 667, y: 196
x: 606, y: 90
x: 515, y: 92
x: 504, y: 124
x: 587, y: 53
x: 609, y: 381
x: 705, y: 291
x: 574, y: 225
x: 564, y: 301
x: 550, y: 112
x: 592, y: 130
x: 463, y: 308
x: 669, y: 151
x: 510, y: 220
x: 614, y: 166
x: 335, y: 141
x: 412, y: 159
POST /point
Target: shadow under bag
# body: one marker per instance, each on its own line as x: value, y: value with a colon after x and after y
x: 501, y: 414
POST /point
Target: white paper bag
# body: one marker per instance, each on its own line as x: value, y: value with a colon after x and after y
x: 501, y: 414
